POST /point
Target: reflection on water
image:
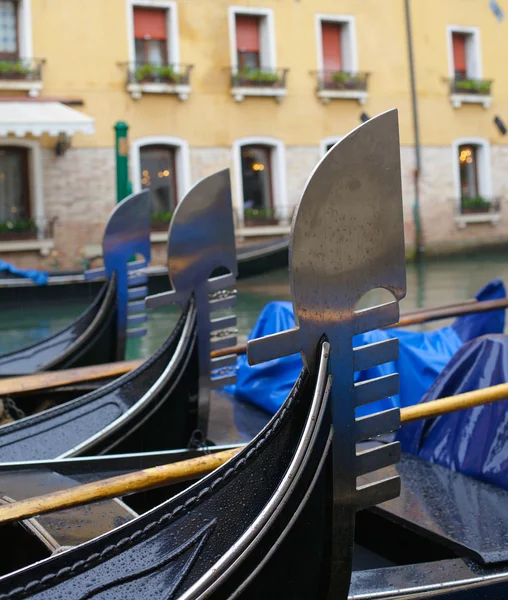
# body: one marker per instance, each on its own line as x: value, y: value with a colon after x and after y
x: 435, y: 283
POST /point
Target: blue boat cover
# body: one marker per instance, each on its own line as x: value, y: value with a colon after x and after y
x: 472, y: 441
x: 422, y: 355
x: 38, y: 277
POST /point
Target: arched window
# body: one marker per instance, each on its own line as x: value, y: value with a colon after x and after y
x: 158, y: 173
x: 161, y: 164
x: 260, y: 181
x: 472, y: 175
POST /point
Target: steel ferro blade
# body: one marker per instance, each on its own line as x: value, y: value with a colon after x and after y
x: 127, y: 233
x: 347, y: 238
x: 201, y: 241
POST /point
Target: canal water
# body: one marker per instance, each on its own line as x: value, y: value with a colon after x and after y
x: 435, y: 283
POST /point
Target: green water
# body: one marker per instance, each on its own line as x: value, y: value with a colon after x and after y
x: 435, y: 283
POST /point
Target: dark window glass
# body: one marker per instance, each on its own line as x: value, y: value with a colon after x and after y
x: 158, y: 173
x: 8, y: 28
x: 257, y: 177
x: 468, y: 162
x: 14, y: 185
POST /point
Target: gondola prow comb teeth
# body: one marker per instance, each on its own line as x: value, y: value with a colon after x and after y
x: 127, y: 234
x: 347, y: 238
x: 202, y: 265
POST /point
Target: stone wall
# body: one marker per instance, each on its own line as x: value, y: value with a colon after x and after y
x: 79, y: 191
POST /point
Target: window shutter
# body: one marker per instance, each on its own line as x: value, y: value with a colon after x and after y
x: 330, y: 33
x: 149, y: 23
x: 459, y: 52
x: 247, y: 33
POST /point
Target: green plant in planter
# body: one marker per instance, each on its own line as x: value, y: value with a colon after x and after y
x: 258, y: 76
x: 161, y: 217
x: 24, y: 225
x: 145, y: 72
x: 259, y: 214
x: 340, y: 77
x: 8, y: 67
x: 473, y: 86
x: 475, y: 204
x: 167, y: 73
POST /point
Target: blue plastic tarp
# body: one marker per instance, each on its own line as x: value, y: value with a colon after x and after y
x: 38, y: 277
x: 422, y: 355
x: 473, y: 441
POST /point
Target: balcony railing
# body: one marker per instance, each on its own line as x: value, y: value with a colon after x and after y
x: 479, y: 205
x: 265, y: 216
x: 480, y: 87
x: 171, y: 78
x: 342, y: 80
x: 21, y: 74
x: 27, y: 69
x: 26, y: 229
x: 258, y: 78
x: 175, y: 74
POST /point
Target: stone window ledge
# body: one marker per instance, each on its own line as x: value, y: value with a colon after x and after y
x: 136, y: 90
x: 262, y: 230
x: 43, y: 246
x: 32, y: 87
x: 239, y: 93
x: 458, y: 100
x: 326, y: 95
x: 463, y: 220
x: 159, y: 236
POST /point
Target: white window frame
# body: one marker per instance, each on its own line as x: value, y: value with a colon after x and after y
x: 268, y: 52
x: 484, y: 178
x: 36, y: 183
x: 268, y: 55
x: 331, y: 139
x: 25, y: 50
x: 279, y: 183
x: 474, y: 68
x: 349, y: 47
x: 349, y: 54
x: 173, y: 49
x: 182, y: 164
x: 171, y: 8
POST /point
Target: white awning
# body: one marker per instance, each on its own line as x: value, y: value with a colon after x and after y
x: 36, y: 118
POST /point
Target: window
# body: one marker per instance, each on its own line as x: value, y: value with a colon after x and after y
x: 257, y: 180
x: 468, y: 166
x: 247, y: 41
x: 158, y: 172
x: 332, y: 51
x: 459, y: 55
x: 473, y: 182
x: 14, y: 184
x: 9, y: 46
x: 150, y: 35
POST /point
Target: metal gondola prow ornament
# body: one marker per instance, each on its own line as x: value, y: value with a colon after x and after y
x: 201, y: 247
x: 126, y: 235
x: 347, y: 238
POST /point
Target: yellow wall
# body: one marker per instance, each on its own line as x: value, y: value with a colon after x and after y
x: 83, y: 43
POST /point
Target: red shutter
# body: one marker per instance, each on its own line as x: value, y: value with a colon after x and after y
x: 247, y: 33
x: 149, y: 23
x: 459, y: 52
x: 331, y: 46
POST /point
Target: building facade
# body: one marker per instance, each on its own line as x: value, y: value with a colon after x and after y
x: 263, y: 87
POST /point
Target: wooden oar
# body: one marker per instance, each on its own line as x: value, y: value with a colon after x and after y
x: 53, y: 379
x: 48, y: 380
x: 121, y: 485
x: 194, y: 468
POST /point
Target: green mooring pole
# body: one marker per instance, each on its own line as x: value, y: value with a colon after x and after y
x: 122, y: 161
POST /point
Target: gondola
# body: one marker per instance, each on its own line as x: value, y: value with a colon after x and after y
x: 172, y: 386
x: 253, y: 259
x: 277, y: 520
x: 99, y: 334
